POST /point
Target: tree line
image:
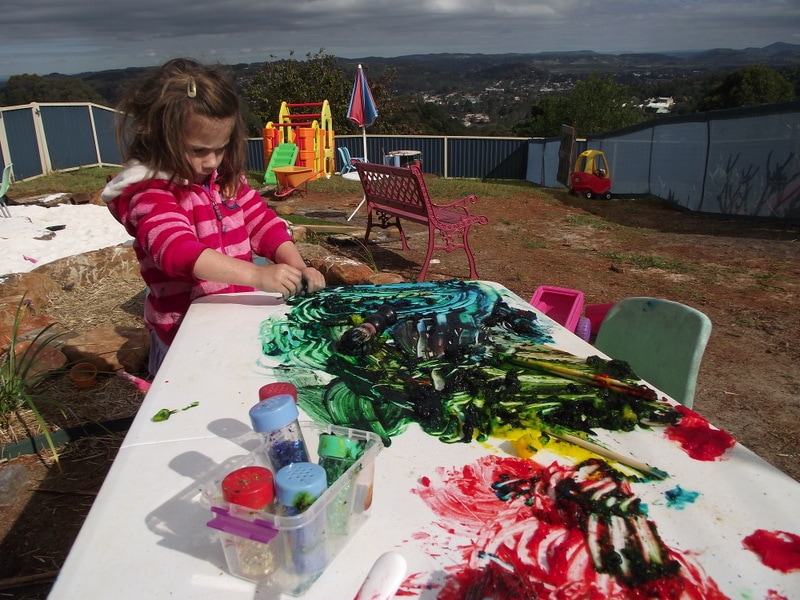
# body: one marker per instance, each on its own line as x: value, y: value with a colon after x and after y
x: 594, y: 104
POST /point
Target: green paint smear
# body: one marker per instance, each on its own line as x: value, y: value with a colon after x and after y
x: 442, y: 365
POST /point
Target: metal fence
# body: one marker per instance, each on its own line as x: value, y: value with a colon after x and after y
x: 732, y: 162
x: 735, y: 162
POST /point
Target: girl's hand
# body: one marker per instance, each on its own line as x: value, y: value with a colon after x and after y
x: 282, y: 278
x: 313, y: 280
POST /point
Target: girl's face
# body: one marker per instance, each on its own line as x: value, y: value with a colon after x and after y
x: 206, y: 142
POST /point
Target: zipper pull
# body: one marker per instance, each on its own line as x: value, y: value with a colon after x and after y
x: 217, y: 210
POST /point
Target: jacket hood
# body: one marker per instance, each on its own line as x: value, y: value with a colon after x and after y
x: 134, y: 172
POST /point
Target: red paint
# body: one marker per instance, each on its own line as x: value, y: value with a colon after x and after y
x: 697, y: 438
x: 778, y: 550
x: 532, y: 539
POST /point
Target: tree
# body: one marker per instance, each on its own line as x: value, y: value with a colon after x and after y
x: 598, y: 104
x: 748, y: 86
x: 546, y: 119
x: 24, y: 89
x: 320, y: 77
x: 594, y: 105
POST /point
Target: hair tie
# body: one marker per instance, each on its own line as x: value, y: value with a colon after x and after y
x: 191, y: 89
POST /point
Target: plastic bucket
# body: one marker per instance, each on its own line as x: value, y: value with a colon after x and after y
x: 596, y: 313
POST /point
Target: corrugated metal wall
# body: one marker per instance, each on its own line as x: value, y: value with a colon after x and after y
x: 743, y: 161
x: 20, y: 142
x: 40, y: 138
x: 476, y: 158
x: 69, y: 135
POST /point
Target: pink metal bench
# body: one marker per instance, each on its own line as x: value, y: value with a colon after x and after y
x: 393, y: 193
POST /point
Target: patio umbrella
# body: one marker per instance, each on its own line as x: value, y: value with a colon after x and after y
x: 362, y: 111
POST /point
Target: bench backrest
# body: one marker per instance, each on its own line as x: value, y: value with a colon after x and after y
x: 400, y: 189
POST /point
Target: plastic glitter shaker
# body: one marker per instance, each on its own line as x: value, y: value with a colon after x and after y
x: 275, y: 419
x: 250, y: 489
x: 338, y: 453
x: 297, y: 487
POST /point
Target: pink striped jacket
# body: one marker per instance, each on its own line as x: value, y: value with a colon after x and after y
x: 173, y: 222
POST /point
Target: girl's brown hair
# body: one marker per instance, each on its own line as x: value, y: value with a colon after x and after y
x: 155, y: 112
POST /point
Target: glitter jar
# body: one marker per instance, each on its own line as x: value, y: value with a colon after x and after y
x: 297, y: 487
x: 275, y: 419
x: 249, y: 490
x: 251, y: 487
x: 337, y: 454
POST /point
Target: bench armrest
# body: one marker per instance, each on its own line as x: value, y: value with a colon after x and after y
x: 462, y: 203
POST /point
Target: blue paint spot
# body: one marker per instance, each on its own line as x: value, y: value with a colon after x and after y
x: 678, y: 497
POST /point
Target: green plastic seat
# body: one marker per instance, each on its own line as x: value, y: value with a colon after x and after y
x: 6, y: 183
x: 663, y: 342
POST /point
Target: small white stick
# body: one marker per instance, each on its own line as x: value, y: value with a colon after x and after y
x: 606, y: 453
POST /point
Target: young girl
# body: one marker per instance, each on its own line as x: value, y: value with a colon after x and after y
x: 196, y: 224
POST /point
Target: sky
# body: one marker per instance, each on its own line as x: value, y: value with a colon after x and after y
x: 74, y: 36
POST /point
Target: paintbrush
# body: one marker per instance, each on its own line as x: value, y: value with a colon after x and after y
x: 610, y: 454
x: 641, y: 391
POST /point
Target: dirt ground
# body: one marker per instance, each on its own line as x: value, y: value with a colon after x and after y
x: 744, y: 275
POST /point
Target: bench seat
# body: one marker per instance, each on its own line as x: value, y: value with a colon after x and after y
x: 394, y: 193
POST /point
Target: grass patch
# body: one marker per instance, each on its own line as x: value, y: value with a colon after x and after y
x: 650, y: 261
x: 690, y: 292
x: 84, y: 179
x: 590, y: 220
x: 534, y: 244
x: 93, y: 179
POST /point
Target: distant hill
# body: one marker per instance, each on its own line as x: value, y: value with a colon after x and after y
x: 417, y: 73
x: 493, y: 92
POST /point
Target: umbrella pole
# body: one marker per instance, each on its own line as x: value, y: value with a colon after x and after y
x: 364, y: 137
x: 360, y: 204
x: 364, y: 199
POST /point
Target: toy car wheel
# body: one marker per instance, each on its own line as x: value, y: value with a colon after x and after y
x: 588, y: 195
x: 584, y: 329
x: 607, y: 196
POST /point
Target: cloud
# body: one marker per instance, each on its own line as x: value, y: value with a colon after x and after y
x: 87, y: 35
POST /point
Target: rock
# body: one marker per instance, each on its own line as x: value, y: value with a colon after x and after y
x: 384, y: 278
x: 81, y: 198
x: 34, y: 285
x: 299, y: 233
x: 283, y: 210
x: 341, y: 271
x: 96, y: 199
x: 91, y: 267
x: 47, y: 359
x: 12, y: 477
x: 311, y: 251
x: 111, y: 348
x: 28, y: 328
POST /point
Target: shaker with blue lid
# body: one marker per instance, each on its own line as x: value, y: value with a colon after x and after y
x: 275, y: 418
x: 297, y: 487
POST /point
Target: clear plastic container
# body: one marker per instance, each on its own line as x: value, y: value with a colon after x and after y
x: 273, y: 532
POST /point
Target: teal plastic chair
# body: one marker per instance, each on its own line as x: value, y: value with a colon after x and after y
x: 6, y: 183
x: 348, y: 162
x: 662, y: 341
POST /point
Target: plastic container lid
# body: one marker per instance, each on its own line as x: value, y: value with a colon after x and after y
x: 273, y: 413
x: 252, y: 487
x: 337, y: 446
x: 277, y: 388
x: 299, y: 484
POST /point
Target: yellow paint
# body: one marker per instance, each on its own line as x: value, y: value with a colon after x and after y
x: 528, y: 444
